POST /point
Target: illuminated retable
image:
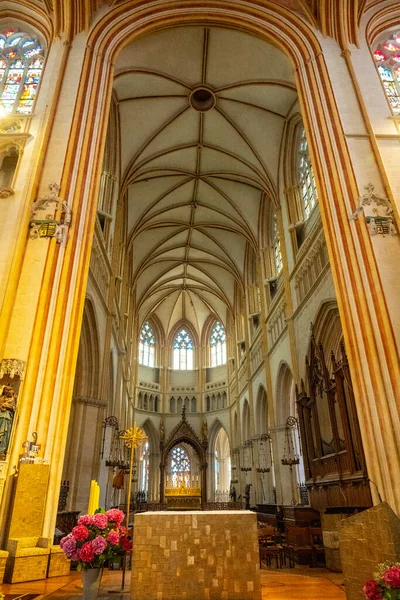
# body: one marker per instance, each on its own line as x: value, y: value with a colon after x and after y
x: 183, y: 497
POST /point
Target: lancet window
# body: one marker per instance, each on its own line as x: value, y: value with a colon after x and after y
x: 21, y: 66
x: 218, y: 345
x: 308, y: 188
x: 387, y: 58
x: 183, y: 351
x: 276, y: 243
x: 180, y: 467
x: 147, y: 346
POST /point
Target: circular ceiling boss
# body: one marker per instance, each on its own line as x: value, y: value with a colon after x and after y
x: 202, y: 99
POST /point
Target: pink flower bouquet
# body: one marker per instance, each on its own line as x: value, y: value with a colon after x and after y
x: 97, y: 538
x: 386, y: 583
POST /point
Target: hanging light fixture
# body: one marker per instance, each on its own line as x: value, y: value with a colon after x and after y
x: 248, y: 462
x: 262, y: 456
x: 290, y: 456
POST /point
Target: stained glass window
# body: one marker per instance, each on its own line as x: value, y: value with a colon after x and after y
x: 183, y: 351
x: 218, y: 345
x: 147, y: 346
x: 308, y: 188
x: 180, y: 467
x: 276, y: 243
x: 21, y: 66
x: 387, y: 58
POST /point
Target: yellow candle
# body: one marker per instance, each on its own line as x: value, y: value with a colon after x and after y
x: 96, y: 497
x: 91, y: 498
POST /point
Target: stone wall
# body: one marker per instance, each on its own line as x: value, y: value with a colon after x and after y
x: 196, y: 556
x: 367, y: 539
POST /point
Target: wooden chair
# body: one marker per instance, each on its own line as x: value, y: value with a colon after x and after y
x: 317, y: 545
x: 298, y: 546
x: 270, y: 547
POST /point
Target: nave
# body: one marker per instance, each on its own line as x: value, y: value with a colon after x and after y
x: 199, y: 217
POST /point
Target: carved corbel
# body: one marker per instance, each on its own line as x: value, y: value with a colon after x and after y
x: 49, y: 226
x: 12, y: 367
x: 378, y: 212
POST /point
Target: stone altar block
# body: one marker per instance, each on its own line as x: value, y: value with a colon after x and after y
x: 367, y: 539
x: 195, y: 556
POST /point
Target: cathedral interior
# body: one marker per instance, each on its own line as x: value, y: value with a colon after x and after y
x: 199, y: 209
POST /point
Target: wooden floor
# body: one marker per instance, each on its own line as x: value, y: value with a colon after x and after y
x: 293, y: 584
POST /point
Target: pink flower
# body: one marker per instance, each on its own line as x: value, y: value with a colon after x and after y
x: 74, y: 556
x: 122, y: 530
x: 85, y: 520
x: 113, y: 537
x: 99, y: 544
x: 392, y: 577
x: 372, y: 590
x: 100, y: 520
x: 68, y: 544
x: 126, y: 544
x: 116, y: 515
x: 80, y: 533
x: 86, y: 553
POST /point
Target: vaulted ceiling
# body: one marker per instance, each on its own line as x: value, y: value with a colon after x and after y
x: 336, y: 18
x: 201, y: 115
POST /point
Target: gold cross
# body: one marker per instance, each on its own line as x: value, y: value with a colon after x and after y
x: 134, y: 436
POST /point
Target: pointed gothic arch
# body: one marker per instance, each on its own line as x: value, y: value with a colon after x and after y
x: 246, y: 421
x: 327, y: 330
x: 262, y: 424
x: 285, y: 394
x: 183, y: 433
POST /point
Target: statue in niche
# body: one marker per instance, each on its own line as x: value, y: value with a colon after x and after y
x: 162, y: 432
x: 7, y: 409
x: 204, y: 432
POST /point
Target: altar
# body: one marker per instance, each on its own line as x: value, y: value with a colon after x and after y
x: 195, y: 555
x: 182, y: 497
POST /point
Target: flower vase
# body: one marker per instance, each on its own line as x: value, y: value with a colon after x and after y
x: 91, y: 579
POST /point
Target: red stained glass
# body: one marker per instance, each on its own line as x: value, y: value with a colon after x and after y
x: 379, y: 56
x: 9, y: 33
x: 391, y: 47
x: 396, y: 58
x: 10, y: 54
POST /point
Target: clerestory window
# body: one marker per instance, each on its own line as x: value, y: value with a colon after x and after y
x: 183, y: 351
x: 308, y: 189
x: 147, y: 346
x: 387, y: 59
x: 276, y: 244
x: 218, y: 345
x: 21, y: 67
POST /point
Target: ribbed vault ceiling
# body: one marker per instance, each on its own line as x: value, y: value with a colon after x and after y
x: 196, y: 180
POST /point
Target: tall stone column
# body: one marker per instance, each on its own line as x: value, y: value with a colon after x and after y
x: 42, y: 323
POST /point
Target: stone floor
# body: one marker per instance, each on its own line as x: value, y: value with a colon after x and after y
x: 301, y: 583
